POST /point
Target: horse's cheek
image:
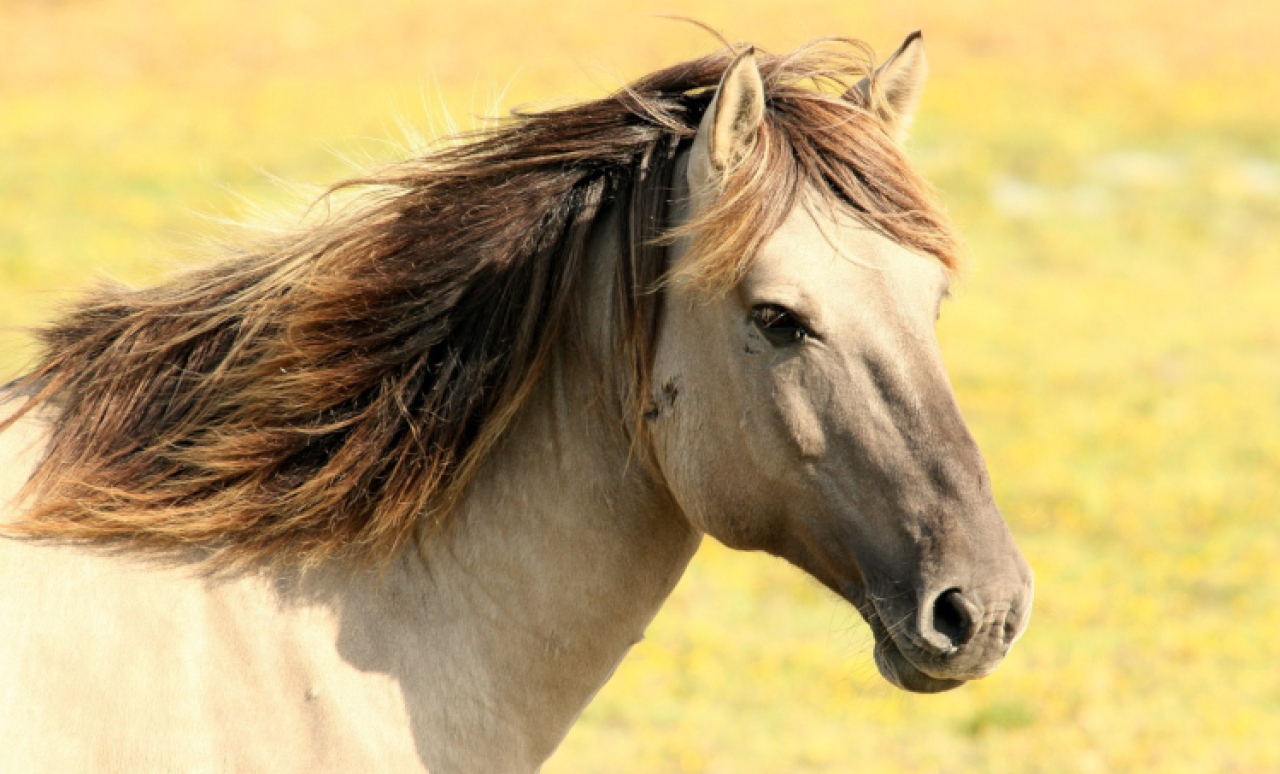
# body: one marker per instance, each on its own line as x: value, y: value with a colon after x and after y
x: 802, y: 424
x: 701, y: 464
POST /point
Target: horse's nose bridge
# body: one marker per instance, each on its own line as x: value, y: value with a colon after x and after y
x: 975, y: 552
x: 923, y: 429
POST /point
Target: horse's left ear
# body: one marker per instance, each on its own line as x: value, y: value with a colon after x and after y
x: 729, y: 127
x: 899, y: 82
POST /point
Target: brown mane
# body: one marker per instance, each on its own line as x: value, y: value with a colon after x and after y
x: 316, y: 395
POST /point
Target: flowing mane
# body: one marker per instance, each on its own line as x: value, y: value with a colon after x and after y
x: 320, y: 394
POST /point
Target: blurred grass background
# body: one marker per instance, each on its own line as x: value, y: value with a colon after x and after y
x: 1116, y: 168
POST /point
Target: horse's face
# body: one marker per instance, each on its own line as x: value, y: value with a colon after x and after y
x: 808, y: 414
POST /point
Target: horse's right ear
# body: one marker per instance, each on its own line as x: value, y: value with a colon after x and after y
x: 729, y: 127
x: 898, y: 83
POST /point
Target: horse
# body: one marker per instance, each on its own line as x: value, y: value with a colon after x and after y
x: 398, y: 488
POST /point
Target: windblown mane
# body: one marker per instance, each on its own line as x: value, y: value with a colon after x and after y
x: 321, y: 394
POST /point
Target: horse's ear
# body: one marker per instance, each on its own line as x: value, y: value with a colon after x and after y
x: 728, y: 129
x: 899, y: 82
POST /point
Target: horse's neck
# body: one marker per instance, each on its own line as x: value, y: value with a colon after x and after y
x: 558, y: 559
x: 500, y: 627
x: 496, y: 631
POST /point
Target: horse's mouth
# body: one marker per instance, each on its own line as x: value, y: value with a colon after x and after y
x: 899, y: 671
x: 892, y: 662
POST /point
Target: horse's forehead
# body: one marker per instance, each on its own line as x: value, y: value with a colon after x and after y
x: 823, y: 251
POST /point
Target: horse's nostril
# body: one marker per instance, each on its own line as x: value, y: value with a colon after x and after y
x: 954, y: 618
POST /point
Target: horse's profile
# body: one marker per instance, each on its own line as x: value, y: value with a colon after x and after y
x: 398, y: 490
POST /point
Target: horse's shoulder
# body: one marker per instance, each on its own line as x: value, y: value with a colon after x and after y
x: 205, y: 673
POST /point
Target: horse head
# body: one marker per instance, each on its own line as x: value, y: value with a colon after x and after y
x: 804, y: 410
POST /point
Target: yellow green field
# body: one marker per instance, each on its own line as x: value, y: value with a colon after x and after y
x: 1115, y: 343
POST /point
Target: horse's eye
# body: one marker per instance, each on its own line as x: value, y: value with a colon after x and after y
x: 778, y: 324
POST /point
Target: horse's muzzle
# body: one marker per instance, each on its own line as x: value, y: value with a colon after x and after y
x: 951, y: 637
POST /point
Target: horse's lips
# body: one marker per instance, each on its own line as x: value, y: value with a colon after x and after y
x: 900, y: 672
x: 893, y: 665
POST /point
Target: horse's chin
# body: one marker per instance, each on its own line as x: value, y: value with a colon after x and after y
x: 902, y: 673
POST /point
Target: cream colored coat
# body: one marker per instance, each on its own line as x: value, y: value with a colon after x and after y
x: 476, y: 650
